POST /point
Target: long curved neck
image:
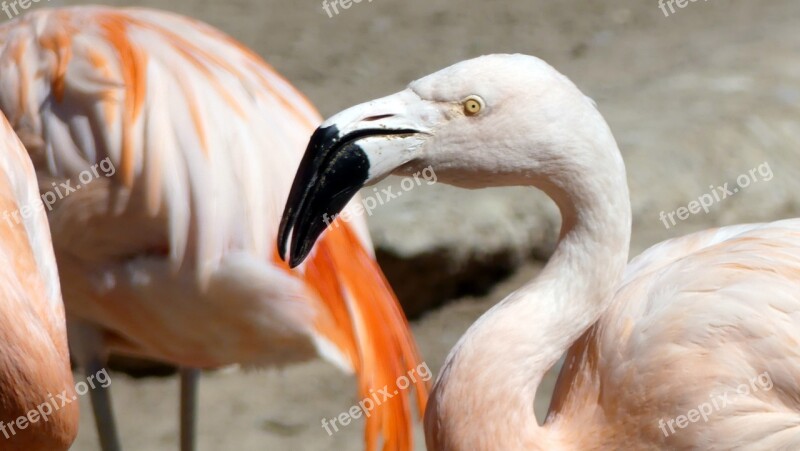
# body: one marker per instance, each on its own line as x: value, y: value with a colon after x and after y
x: 485, y: 393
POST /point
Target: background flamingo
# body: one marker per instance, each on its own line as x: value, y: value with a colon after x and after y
x: 687, y: 321
x: 172, y: 257
x: 34, y: 362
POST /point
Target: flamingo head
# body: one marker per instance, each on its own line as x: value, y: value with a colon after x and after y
x: 496, y: 120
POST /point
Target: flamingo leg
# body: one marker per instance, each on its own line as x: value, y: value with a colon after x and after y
x: 189, y: 382
x: 103, y: 411
x: 87, y: 345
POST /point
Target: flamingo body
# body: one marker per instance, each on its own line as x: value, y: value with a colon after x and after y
x: 34, y: 362
x: 707, y: 321
x: 170, y: 253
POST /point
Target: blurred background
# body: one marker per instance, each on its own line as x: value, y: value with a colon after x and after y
x: 695, y: 100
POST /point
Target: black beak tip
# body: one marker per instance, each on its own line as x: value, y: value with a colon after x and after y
x: 330, y: 174
x: 297, y: 252
x: 295, y: 261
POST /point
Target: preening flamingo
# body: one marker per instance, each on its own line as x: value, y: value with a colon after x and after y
x: 34, y: 362
x: 685, y: 325
x: 170, y: 253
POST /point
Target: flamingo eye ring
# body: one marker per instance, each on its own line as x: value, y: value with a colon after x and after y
x: 472, y: 105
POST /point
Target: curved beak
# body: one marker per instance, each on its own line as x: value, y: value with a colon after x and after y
x: 351, y: 149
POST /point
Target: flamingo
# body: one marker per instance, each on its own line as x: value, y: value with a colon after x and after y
x: 34, y: 362
x: 166, y: 251
x: 685, y: 325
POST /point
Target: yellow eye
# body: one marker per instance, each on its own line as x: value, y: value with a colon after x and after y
x: 472, y: 105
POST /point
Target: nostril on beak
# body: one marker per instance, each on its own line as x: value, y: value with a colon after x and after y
x: 377, y: 117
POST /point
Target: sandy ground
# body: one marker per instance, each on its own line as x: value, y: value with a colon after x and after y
x: 610, y: 48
